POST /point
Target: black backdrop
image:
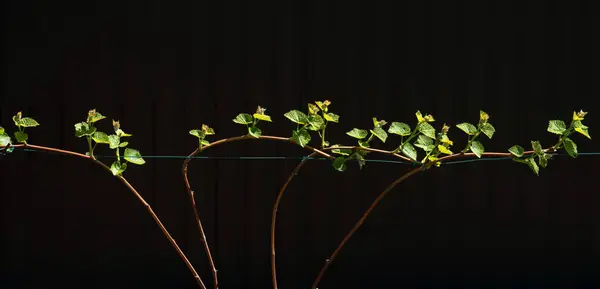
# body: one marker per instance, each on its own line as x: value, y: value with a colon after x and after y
x: 164, y: 67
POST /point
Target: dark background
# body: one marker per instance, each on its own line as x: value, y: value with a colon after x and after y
x: 165, y: 67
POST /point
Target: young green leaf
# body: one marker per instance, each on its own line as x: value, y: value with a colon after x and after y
x: 488, y: 129
x: 324, y: 105
x: 114, y: 141
x: 133, y: 156
x: 467, y: 128
x: 118, y: 168
x: 207, y: 130
x: 579, y: 115
x: 358, y: 133
x: 557, y: 126
x: 100, y: 137
x: 379, y: 133
x: 296, y: 116
x: 21, y: 136
x: 339, y: 164
x: 123, y: 144
x: 426, y: 129
x: 537, y: 148
x: 301, y: 137
x: 444, y: 150
x: 483, y: 117
x: 571, y: 147
x: 517, y: 150
x: 94, y: 116
x: 399, y: 128
x: 29, y: 122
x: 313, y: 109
x: 332, y: 117
x: 477, y: 148
x: 204, y: 142
x: 254, y: 131
x: 198, y: 133
x: 262, y: 117
x: 121, y: 133
x: 581, y: 128
x: 316, y: 122
x: 243, y: 118
x: 2, y: 130
x: 84, y: 129
x: 409, y: 150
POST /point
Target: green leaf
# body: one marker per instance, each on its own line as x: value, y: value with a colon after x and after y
x: 339, y: 164
x: 477, y: 148
x: 360, y: 159
x: 409, y: 151
x: 581, y: 128
x: 84, y: 129
x: 133, y: 156
x: 2, y: 130
x: 557, y: 126
x: 204, y: 142
x: 118, y: 168
x: 543, y: 161
x: 332, y: 117
x: 100, y: 137
x: 570, y: 147
x: 399, y: 128
x: 379, y: 133
x: 358, y: 133
x: 301, y: 137
x: 4, y: 139
x: 517, y: 150
x: 424, y: 142
x: 537, y: 148
x: 254, y: 131
x: 531, y: 163
x: 323, y: 105
x: 123, y: 144
x: 316, y: 122
x: 114, y: 141
x: 364, y: 144
x: 488, y: 129
x: 467, y: 128
x: 262, y: 117
x: 21, y: 136
x: 29, y: 122
x: 296, y: 116
x: 426, y: 129
x: 243, y: 118
x: 344, y: 152
x: 198, y: 133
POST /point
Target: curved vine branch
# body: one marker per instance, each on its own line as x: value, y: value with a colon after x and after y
x: 137, y: 195
x: 274, y: 216
x: 388, y: 189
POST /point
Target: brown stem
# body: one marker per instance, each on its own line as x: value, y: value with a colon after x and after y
x: 139, y: 197
x: 360, y: 222
x: 274, y: 216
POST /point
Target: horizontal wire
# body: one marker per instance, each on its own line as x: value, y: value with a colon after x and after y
x: 310, y: 158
